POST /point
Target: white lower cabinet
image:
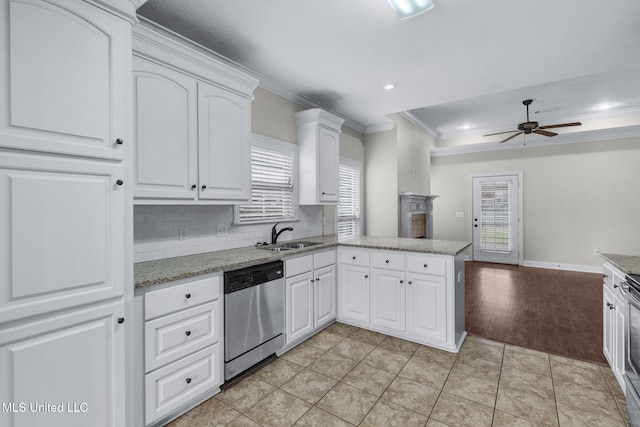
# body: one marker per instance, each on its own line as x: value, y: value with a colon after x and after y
x: 410, y: 295
x: 310, y: 295
x: 183, y: 335
x: 67, y: 369
x: 614, y: 331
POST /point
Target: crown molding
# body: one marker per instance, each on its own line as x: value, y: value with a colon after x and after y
x: 420, y: 125
x: 382, y: 127
x: 565, y: 138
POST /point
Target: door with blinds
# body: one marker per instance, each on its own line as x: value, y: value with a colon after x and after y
x: 496, y: 218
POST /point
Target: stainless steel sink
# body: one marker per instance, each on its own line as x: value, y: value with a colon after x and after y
x: 287, y: 246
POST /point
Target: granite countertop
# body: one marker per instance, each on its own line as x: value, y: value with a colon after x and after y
x: 628, y: 264
x: 166, y: 270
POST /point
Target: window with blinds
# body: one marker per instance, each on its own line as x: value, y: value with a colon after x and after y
x: 349, y: 198
x: 495, y: 232
x: 272, y: 183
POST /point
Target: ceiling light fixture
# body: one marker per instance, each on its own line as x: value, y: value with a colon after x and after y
x: 410, y: 8
x: 605, y: 106
x: 390, y: 86
x: 466, y: 126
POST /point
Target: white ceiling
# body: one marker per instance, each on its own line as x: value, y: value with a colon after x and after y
x: 465, y: 61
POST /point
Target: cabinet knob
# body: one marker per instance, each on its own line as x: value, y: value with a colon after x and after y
x: 119, y: 182
x: 187, y: 333
x: 612, y: 307
x: 119, y: 141
x: 188, y: 380
x: 410, y: 282
x: 323, y: 193
x: 426, y: 265
x: 193, y: 187
x: 401, y: 281
x: 187, y: 296
x: 120, y: 320
x: 204, y: 187
x: 313, y: 280
x: 354, y: 257
x: 615, y: 286
x: 366, y: 276
x: 387, y: 261
x: 608, y: 304
x: 606, y: 276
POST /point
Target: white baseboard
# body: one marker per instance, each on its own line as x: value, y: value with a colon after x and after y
x: 567, y: 267
x: 558, y: 266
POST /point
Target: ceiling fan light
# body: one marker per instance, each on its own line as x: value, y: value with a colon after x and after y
x: 410, y: 8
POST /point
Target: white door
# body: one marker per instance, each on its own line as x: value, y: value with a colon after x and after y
x: 325, y: 295
x: 496, y: 218
x: 299, y: 306
x: 388, y: 299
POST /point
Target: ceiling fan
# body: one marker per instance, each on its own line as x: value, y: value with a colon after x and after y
x: 529, y: 127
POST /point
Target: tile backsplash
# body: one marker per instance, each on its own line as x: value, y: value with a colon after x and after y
x: 170, y: 231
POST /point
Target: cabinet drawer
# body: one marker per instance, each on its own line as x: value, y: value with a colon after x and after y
x: 299, y: 265
x: 427, y: 264
x: 174, y: 336
x: 174, y: 385
x: 323, y: 259
x: 354, y: 256
x: 178, y: 297
x: 388, y: 260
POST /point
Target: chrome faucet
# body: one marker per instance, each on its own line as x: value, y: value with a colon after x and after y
x: 275, y: 235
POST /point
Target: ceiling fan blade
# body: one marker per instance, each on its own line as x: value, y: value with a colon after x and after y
x: 562, y: 125
x: 511, y: 137
x: 500, y: 133
x: 544, y: 132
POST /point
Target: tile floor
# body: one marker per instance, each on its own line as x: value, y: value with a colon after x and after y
x: 346, y: 376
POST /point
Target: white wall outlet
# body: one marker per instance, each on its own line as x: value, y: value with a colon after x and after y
x: 596, y: 252
x: 221, y: 230
x: 459, y: 214
x: 184, y: 233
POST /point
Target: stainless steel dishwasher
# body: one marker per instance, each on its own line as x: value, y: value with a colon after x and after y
x: 254, y: 316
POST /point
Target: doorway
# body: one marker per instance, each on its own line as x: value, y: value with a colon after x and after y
x: 496, y: 217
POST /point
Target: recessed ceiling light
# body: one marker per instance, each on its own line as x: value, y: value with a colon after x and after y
x: 390, y: 86
x: 605, y: 106
x: 410, y: 8
x: 466, y: 126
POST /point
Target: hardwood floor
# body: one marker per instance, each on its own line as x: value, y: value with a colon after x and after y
x: 554, y: 311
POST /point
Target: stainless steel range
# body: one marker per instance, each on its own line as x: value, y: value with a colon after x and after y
x: 631, y: 291
x: 253, y: 316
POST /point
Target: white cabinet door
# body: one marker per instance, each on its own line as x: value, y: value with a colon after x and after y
x: 299, y: 306
x: 607, y: 325
x: 620, y: 338
x: 427, y: 306
x: 355, y: 292
x: 62, y: 223
x: 76, y: 360
x: 325, y: 295
x: 388, y: 299
x: 64, y: 75
x: 329, y: 157
x: 166, y: 129
x: 224, y: 121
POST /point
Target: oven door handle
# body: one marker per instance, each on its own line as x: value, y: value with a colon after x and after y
x: 624, y: 290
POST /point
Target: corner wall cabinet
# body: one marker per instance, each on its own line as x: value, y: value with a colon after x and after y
x: 409, y: 295
x: 318, y: 154
x: 65, y: 211
x: 192, y: 124
x: 614, y: 332
x: 310, y: 295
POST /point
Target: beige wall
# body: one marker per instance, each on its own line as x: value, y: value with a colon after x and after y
x: 577, y: 197
x: 414, y: 157
x: 381, y: 183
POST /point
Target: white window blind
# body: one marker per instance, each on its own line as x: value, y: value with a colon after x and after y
x: 349, y: 199
x: 495, y: 232
x: 272, y: 172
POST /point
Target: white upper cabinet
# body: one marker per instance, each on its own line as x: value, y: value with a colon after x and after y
x: 319, y: 154
x: 64, y: 78
x: 63, y: 233
x: 166, y: 130
x: 193, y: 123
x: 224, y: 123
